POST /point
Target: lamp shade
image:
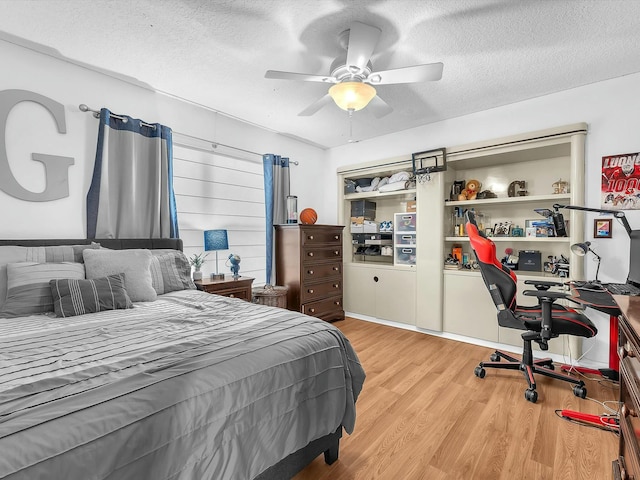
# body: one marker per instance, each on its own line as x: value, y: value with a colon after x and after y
x: 352, y: 95
x: 215, y: 240
x: 580, y: 249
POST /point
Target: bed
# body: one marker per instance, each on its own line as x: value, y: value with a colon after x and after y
x: 188, y: 386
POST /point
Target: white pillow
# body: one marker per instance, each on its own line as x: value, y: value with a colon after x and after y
x: 134, y: 263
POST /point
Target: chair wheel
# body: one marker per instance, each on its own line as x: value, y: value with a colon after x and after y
x: 494, y: 357
x: 480, y: 372
x: 580, y: 391
x: 531, y: 395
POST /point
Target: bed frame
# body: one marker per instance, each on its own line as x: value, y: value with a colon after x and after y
x: 287, y: 467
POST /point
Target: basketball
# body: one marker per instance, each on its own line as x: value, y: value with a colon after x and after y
x: 308, y: 216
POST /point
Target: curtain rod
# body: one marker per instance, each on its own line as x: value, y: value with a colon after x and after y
x: 96, y: 114
x: 214, y: 145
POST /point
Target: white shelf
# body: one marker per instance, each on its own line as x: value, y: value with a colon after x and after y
x: 373, y: 195
x: 521, y: 274
x: 516, y: 239
x: 553, y: 198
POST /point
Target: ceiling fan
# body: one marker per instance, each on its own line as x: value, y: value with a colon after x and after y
x: 353, y: 77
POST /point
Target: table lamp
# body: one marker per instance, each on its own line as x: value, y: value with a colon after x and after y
x: 215, y: 240
x: 581, y: 250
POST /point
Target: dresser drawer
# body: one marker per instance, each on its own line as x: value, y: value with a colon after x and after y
x: 327, y: 309
x: 319, y: 237
x: 313, y: 273
x: 313, y: 254
x: 317, y: 291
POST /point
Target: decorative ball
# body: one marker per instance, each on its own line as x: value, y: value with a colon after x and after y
x: 308, y: 216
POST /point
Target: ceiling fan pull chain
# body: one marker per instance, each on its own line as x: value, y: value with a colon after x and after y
x: 350, y: 125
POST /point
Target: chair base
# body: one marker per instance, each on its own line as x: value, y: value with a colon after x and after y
x: 530, y: 366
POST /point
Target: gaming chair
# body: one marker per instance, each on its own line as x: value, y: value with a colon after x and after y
x: 541, y: 323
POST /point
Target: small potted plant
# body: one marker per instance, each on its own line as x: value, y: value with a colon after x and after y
x: 196, y: 261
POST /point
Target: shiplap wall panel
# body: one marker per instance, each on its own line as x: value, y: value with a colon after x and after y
x: 214, y: 191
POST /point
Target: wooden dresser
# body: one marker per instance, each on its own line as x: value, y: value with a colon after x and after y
x: 627, y: 466
x: 309, y: 261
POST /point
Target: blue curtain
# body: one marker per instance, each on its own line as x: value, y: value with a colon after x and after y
x: 276, y: 189
x: 131, y: 193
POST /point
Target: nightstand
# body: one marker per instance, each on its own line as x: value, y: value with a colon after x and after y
x: 229, y: 287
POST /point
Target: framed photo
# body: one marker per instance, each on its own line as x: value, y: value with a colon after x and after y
x: 602, y: 228
x: 488, y: 232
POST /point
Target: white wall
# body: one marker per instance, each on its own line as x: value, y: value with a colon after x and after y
x: 610, y: 110
x: 30, y: 128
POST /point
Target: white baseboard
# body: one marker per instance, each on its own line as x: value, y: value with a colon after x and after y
x: 476, y: 341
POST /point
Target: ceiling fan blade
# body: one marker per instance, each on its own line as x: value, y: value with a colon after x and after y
x: 379, y: 107
x: 305, y: 77
x: 362, y: 41
x: 417, y: 73
x: 315, y: 106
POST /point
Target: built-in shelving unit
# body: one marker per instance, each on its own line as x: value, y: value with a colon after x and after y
x: 427, y: 295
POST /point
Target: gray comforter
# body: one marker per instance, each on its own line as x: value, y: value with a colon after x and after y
x: 192, y: 386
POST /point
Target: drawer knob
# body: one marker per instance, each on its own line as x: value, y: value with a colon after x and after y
x: 310, y: 272
x: 335, y: 269
x: 336, y: 237
x: 310, y: 254
x: 337, y: 252
x: 337, y: 302
x: 335, y: 285
x: 310, y: 290
x: 312, y: 310
x: 375, y: 279
x: 232, y: 295
x: 310, y: 237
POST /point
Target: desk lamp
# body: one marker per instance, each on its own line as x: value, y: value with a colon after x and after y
x: 216, y: 240
x: 581, y: 250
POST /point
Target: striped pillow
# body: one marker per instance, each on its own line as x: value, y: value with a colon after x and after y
x: 170, y: 271
x: 28, y: 289
x: 77, y: 297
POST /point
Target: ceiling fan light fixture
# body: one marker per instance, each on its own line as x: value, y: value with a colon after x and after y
x: 352, y: 95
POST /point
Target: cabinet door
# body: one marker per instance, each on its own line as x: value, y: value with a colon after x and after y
x: 359, y: 290
x: 468, y: 308
x: 396, y: 296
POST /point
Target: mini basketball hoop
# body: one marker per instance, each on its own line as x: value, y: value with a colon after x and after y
x: 426, y: 163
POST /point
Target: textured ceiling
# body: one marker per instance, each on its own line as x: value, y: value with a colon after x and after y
x: 215, y: 52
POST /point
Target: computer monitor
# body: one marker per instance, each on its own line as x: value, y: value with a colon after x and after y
x: 634, y: 259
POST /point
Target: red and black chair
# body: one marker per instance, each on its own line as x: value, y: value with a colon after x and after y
x: 541, y: 323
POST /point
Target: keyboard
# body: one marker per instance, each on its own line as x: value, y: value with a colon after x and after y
x: 621, y: 289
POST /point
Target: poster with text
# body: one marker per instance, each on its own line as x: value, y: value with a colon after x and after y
x: 621, y: 182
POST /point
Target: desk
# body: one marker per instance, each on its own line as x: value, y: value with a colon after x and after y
x: 602, y: 301
x: 627, y: 465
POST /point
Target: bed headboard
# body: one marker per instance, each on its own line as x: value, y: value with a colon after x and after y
x: 113, y: 243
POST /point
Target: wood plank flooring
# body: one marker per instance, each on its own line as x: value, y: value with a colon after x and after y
x: 423, y: 414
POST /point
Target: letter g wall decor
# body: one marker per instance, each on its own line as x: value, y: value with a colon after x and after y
x: 56, y: 168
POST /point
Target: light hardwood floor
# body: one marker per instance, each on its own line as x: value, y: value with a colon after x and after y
x: 423, y: 414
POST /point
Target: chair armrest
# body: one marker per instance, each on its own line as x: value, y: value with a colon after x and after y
x: 546, y: 299
x: 550, y: 296
x: 543, y: 284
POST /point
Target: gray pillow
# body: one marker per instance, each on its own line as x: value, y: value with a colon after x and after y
x: 134, y: 263
x: 28, y: 289
x: 77, y: 297
x: 56, y: 253
x: 170, y: 271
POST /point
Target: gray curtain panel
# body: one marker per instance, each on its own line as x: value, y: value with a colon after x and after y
x: 131, y: 193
